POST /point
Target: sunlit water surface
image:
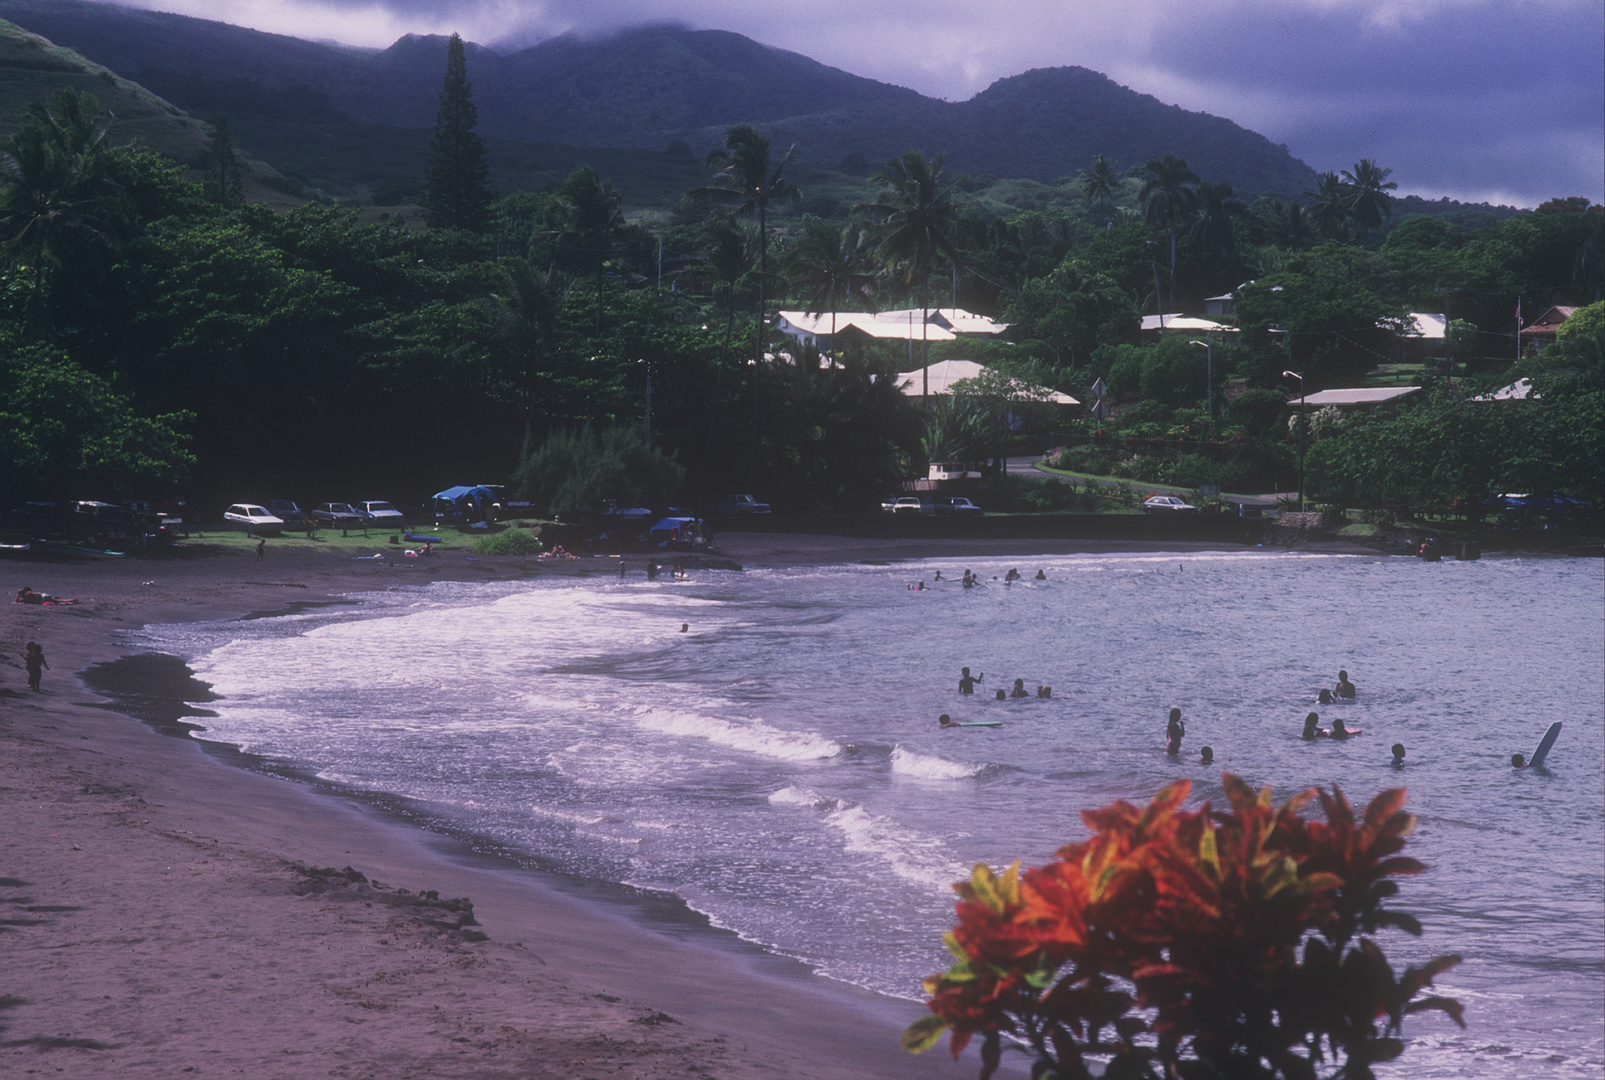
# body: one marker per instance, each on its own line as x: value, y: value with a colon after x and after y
x: 779, y: 766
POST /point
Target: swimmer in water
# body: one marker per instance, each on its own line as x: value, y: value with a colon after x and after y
x: 1174, y: 732
x: 1345, y: 689
x: 1517, y: 761
x: 1324, y: 697
x: 938, y: 575
x: 1312, y: 728
x: 1044, y: 691
x: 946, y: 721
x: 1206, y: 756
x: 684, y: 627
x: 1398, y: 754
x: 969, y: 580
x: 1019, y: 689
x: 967, y: 681
x: 1338, y: 730
x: 1012, y: 575
x: 1041, y: 576
x: 1001, y: 695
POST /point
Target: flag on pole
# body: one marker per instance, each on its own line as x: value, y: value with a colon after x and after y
x: 1519, y: 323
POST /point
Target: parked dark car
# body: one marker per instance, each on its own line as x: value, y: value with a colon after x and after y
x: 956, y: 504
x: 739, y: 506
x: 292, y: 515
x: 339, y: 516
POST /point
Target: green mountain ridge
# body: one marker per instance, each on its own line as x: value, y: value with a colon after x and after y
x: 651, y: 87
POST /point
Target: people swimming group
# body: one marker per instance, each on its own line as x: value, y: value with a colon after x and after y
x: 971, y: 579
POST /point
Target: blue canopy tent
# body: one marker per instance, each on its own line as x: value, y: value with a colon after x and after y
x: 470, y: 504
x: 687, y: 531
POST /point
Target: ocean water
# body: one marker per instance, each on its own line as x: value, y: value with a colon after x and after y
x: 778, y: 766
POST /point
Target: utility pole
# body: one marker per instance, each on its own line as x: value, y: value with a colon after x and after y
x: 1302, y: 420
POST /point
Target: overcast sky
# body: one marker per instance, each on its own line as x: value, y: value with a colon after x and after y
x: 1480, y: 100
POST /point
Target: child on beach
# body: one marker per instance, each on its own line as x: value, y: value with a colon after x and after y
x: 34, y: 658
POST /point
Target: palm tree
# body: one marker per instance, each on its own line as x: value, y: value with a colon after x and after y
x: 593, y: 217
x: 1368, y: 199
x: 726, y: 246
x: 1168, y: 199
x: 1100, y: 184
x: 56, y: 200
x: 917, y: 210
x: 1286, y: 224
x: 1218, y: 211
x: 746, y: 177
x: 1330, y: 205
x: 828, y: 265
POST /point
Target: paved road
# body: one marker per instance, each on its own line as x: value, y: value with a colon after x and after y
x: 1026, y: 466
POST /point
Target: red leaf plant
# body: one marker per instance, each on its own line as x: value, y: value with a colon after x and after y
x: 1190, y: 944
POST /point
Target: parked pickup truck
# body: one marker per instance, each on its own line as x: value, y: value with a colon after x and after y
x: 911, y: 504
x: 739, y: 506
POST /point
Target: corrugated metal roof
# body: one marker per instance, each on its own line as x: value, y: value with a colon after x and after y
x: 1360, y: 395
x: 1185, y: 322
x: 944, y: 374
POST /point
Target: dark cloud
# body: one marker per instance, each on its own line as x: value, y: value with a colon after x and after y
x: 1475, y: 99
x: 1483, y: 101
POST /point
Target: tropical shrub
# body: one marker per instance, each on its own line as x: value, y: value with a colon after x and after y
x: 509, y: 542
x: 1191, y: 943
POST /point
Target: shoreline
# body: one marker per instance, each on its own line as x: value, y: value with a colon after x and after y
x: 158, y: 911
x: 155, y: 918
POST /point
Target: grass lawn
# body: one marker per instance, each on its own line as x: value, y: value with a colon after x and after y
x: 1138, y: 485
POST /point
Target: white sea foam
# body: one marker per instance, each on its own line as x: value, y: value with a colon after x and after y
x: 753, y: 737
x: 906, y: 762
x: 911, y: 856
x: 806, y: 797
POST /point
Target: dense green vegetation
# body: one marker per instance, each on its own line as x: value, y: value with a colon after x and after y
x: 239, y: 352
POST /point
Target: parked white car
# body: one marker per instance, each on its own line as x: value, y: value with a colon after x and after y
x: 256, y: 519
x: 1167, y: 504
x: 911, y: 504
x: 380, y: 511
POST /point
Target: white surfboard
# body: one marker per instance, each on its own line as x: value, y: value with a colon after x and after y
x: 1545, y: 745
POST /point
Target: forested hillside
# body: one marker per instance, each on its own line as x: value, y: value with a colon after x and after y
x: 643, y: 89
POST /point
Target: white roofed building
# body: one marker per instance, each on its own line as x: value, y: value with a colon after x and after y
x: 1357, y: 397
x: 938, y: 380
x: 907, y: 324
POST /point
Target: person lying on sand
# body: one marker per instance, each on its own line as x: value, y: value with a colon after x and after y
x: 26, y: 595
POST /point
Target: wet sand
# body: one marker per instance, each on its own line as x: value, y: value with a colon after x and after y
x: 166, y: 912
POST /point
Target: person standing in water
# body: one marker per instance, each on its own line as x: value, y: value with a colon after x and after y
x: 1206, y: 756
x: 1338, y: 730
x: 1344, y: 689
x: 967, y: 681
x: 1012, y: 575
x: 1174, y: 732
x: 1398, y: 755
x: 1312, y: 729
x: 1324, y: 697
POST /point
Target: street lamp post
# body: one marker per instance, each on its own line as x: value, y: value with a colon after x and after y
x: 1302, y: 420
x: 1209, y: 346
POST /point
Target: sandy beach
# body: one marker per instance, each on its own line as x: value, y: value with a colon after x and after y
x: 166, y: 912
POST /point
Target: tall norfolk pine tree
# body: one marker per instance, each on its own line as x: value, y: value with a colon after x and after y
x: 457, y: 193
